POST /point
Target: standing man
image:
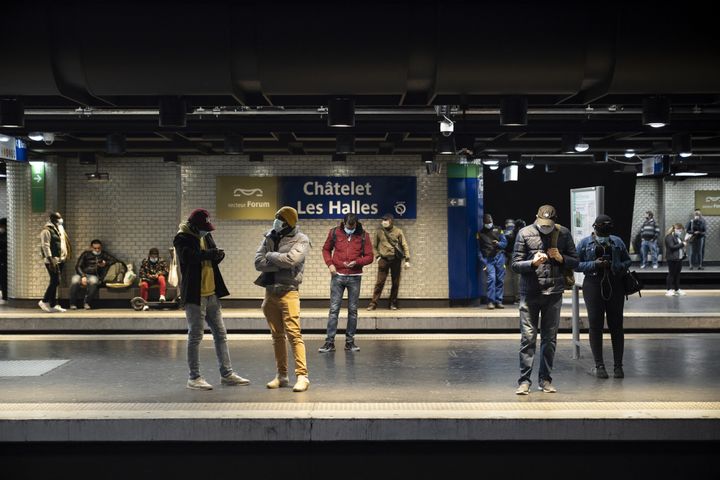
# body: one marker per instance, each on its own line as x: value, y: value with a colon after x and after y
x: 346, y: 251
x: 55, y: 247
x: 491, y: 244
x: 696, y: 227
x: 391, y: 249
x: 201, y: 288
x: 649, y: 233
x: 281, y: 259
x: 90, y: 269
x: 542, y: 251
x: 3, y: 260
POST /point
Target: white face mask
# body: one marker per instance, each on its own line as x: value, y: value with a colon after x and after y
x: 697, y: 217
x: 277, y: 225
x: 678, y: 232
x: 60, y: 221
x: 488, y: 226
x: 546, y: 229
x: 96, y: 253
x: 385, y: 224
x: 153, y: 259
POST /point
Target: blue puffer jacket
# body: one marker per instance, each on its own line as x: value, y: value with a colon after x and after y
x: 586, y: 253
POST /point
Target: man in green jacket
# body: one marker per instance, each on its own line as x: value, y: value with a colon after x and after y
x: 391, y: 250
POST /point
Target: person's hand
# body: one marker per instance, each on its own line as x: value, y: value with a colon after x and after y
x: 102, y: 263
x: 495, y: 242
x: 554, y: 253
x: 83, y: 281
x: 407, y: 264
x: 351, y: 264
x: 333, y: 270
x: 601, y: 264
x: 539, y: 259
x: 219, y: 254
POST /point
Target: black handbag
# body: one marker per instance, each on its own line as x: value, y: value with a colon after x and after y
x: 631, y: 283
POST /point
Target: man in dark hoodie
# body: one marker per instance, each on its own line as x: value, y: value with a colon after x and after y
x: 201, y: 288
x: 346, y: 251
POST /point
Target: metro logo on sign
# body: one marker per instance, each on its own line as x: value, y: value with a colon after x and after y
x: 246, y: 198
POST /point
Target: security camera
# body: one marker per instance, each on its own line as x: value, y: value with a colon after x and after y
x: 446, y: 126
x: 48, y: 138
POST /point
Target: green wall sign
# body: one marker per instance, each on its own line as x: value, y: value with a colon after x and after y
x: 37, y: 186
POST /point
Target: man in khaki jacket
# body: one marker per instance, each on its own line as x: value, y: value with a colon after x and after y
x: 391, y: 250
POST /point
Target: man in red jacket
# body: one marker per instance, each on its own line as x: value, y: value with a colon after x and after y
x: 346, y: 251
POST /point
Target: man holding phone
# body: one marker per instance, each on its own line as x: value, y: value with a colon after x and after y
x: 201, y: 288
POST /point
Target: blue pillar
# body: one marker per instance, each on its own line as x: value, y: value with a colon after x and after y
x: 465, y: 209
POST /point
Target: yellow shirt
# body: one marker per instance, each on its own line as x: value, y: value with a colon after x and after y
x: 207, y: 278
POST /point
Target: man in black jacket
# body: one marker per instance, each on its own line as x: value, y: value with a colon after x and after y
x: 90, y: 271
x: 201, y: 288
x: 542, y: 251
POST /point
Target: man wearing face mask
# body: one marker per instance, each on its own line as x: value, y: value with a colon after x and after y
x: 346, y: 251
x: 201, y: 288
x: 153, y: 270
x: 55, y: 249
x: 696, y: 228
x: 90, y: 269
x: 604, y: 259
x: 491, y: 244
x: 391, y: 249
x: 649, y: 233
x: 281, y: 259
x: 542, y: 251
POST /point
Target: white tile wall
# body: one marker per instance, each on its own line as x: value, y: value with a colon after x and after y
x: 3, y: 198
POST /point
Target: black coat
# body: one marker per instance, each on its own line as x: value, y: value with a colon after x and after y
x: 190, y: 257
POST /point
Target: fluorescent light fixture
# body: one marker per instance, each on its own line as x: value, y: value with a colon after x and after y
x: 490, y: 162
x: 629, y: 153
x: 529, y: 166
x: 494, y: 167
x: 36, y: 136
x: 690, y: 174
x: 4, y: 138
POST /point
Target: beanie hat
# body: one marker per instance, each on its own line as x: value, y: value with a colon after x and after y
x: 200, y: 219
x: 289, y: 215
x: 155, y: 251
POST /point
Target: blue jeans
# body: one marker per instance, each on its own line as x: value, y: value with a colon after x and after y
x: 208, y: 311
x: 697, y: 252
x: 496, y: 278
x: 531, y: 308
x: 338, y: 284
x: 652, y: 246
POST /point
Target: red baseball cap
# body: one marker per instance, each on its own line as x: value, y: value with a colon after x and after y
x: 201, y: 219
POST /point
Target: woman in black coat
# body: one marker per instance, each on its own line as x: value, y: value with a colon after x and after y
x: 674, y: 254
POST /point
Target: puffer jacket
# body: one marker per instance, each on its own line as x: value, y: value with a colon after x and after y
x: 547, y: 278
x: 348, y: 248
x: 281, y: 259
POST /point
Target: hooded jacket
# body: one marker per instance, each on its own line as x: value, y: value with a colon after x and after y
x: 54, y: 243
x: 348, y: 248
x: 281, y: 259
x: 190, y: 257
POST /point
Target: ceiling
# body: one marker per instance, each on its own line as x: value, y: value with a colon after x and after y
x: 266, y: 71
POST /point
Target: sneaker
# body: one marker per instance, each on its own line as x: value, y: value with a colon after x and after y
x: 371, y: 307
x: 618, y: 372
x: 599, y: 372
x: 327, y: 348
x: 351, y: 347
x: 523, y: 389
x: 234, y: 379
x: 701, y: 268
x: 145, y: 308
x: 691, y: 268
x: 3, y: 301
x: 547, y: 387
x: 162, y: 298
x: 643, y: 266
x: 393, y: 307
x: 302, y: 384
x: 670, y: 293
x: 490, y: 306
x: 680, y: 293
x: 58, y: 308
x: 73, y: 307
x: 278, y: 381
x: 655, y: 266
x: 499, y: 305
x: 44, y: 306
x: 87, y: 306
x: 198, y: 384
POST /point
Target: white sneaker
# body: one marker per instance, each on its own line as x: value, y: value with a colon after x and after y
x: 302, y: 383
x: 680, y: 293
x: 655, y: 266
x: 670, y: 293
x: 198, y: 384
x: 44, y: 306
x: 87, y: 306
x: 146, y: 308
x: 73, y: 307
x: 3, y: 301
x: 162, y: 298
x: 58, y: 308
x: 278, y: 381
x: 234, y: 379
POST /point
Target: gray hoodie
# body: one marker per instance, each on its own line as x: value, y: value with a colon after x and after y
x: 282, y: 260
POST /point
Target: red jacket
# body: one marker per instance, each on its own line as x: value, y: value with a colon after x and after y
x: 347, y: 250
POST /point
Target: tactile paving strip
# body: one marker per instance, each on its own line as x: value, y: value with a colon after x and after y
x: 28, y: 368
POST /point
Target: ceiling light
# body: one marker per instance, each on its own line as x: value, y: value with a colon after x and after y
x: 115, y: 144
x: 581, y: 146
x: 233, y: 144
x: 490, y: 162
x: 573, y: 142
x: 513, y: 111
x: 35, y: 136
x: 510, y: 173
x: 682, y: 144
x: 656, y: 111
x: 529, y: 166
x: 446, y: 126
x: 514, y: 158
x: 629, y: 153
x: 445, y: 145
x: 4, y: 138
x: 12, y: 113
x: 427, y: 158
x: 48, y: 138
x: 345, y: 144
x: 494, y: 167
x: 690, y: 174
x: 341, y: 112
x: 173, y: 112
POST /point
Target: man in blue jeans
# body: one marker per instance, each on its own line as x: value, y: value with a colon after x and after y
x: 346, y: 251
x: 649, y: 233
x: 542, y: 251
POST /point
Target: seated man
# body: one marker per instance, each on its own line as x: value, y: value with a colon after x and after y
x: 90, y: 269
x: 153, y: 270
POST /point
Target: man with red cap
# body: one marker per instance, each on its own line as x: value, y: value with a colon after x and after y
x: 201, y: 287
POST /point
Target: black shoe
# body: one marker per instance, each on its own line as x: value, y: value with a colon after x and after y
x: 701, y: 268
x: 327, y: 348
x: 600, y: 372
x: 692, y: 268
x: 618, y: 373
x: 351, y: 347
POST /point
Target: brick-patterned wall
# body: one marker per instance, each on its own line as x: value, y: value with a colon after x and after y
x: 3, y: 198
x: 674, y: 202
x: 427, y: 236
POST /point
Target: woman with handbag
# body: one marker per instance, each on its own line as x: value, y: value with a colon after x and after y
x: 604, y: 260
x: 674, y: 254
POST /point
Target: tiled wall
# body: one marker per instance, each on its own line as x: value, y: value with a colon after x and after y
x: 3, y: 198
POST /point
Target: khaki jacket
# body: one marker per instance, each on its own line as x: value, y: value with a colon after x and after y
x: 382, y: 246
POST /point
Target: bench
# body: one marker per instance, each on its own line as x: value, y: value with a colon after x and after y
x: 120, y: 297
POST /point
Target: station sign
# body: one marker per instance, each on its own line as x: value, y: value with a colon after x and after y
x: 13, y: 149
x: 708, y: 202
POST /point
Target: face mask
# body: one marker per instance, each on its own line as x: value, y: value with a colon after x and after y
x: 202, y: 233
x: 697, y: 217
x: 509, y: 228
x: 96, y: 253
x: 488, y: 226
x: 349, y: 231
x: 385, y: 224
x: 277, y: 225
x: 546, y: 229
x: 153, y: 259
x: 678, y: 232
x: 60, y: 221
